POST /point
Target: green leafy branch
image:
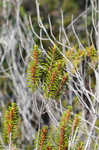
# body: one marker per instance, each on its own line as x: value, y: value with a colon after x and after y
x: 10, y: 124
x: 49, y: 72
x: 60, y: 138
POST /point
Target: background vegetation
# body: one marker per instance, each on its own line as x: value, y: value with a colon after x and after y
x: 49, y: 75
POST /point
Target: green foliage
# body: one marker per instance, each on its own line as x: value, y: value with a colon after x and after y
x: 53, y: 7
x: 67, y: 6
x: 49, y: 72
x: 59, y: 139
x: 22, y: 11
x: 34, y: 69
x: 43, y: 138
x: 50, y: 6
x: 55, y: 78
x: 65, y: 136
x: 10, y: 123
